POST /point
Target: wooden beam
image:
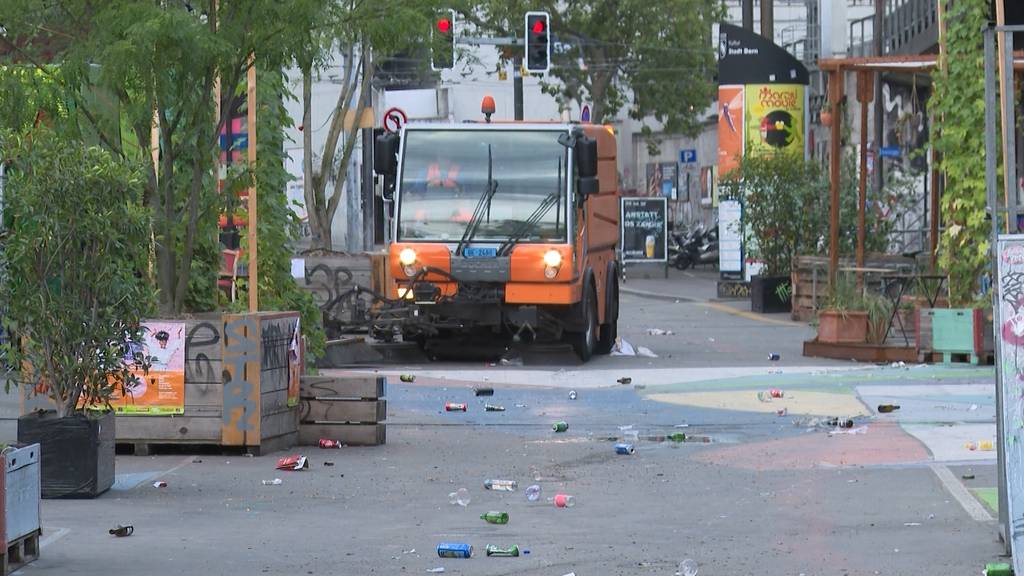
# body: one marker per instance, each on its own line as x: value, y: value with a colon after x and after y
x: 254, y: 305
x: 865, y: 94
x: 835, y: 93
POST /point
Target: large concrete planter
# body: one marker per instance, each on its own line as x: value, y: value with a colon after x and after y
x: 842, y: 327
x: 77, y: 452
x: 764, y: 294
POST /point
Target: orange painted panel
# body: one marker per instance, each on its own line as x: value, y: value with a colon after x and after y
x: 608, y: 174
x: 432, y: 255
x: 527, y: 262
x: 542, y: 293
x: 241, y: 403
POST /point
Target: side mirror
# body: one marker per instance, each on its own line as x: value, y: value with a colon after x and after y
x: 586, y: 157
x: 385, y: 154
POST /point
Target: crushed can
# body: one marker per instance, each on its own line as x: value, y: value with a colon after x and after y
x: 623, y: 448
x: 776, y: 393
x: 454, y: 550
x: 325, y: 443
x: 407, y: 377
x: 493, y: 408
x: 677, y: 437
x: 773, y: 357
x: 454, y: 407
x: 560, y: 426
x: 510, y: 552
x: 484, y: 391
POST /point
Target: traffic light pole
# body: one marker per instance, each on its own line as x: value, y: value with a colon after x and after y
x: 517, y: 86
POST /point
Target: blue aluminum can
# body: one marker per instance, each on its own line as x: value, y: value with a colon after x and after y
x: 454, y: 550
x: 624, y: 449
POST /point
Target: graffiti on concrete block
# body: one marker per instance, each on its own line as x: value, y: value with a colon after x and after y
x: 342, y: 295
x: 737, y: 290
x: 198, y: 367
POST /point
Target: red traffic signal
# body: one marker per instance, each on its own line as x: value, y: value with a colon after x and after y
x: 538, y: 42
x: 444, y: 25
x: 442, y: 41
x: 538, y: 26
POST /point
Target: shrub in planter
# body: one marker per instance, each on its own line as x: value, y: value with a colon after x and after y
x: 845, y: 318
x: 74, y: 290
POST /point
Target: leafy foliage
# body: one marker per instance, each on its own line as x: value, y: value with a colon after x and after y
x: 278, y: 225
x: 74, y: 288
x: 653, y: 57
x: 959, y: 100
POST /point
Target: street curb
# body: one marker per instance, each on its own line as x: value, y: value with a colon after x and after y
x: 656, y: 295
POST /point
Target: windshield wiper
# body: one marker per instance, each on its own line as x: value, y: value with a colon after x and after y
x: 483, y: 205
x: 530, y: 223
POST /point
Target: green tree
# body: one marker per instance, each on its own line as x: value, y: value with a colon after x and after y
x: 959, y: 100
x: 653, y: 57
x: 73, y: 285
x: 142, y: 61
x: 359, y: 34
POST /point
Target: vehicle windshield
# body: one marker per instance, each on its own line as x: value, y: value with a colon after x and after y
x: 445, y: 174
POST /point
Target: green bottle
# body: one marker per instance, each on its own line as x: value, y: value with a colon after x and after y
x: 511, y: 551
x: 677, y: 437
x: 495, y: 517
x: 560, y: 426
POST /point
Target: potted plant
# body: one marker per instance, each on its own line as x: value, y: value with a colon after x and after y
x: 778, y: 192
x: 74, y: 289
x: 844, y: 319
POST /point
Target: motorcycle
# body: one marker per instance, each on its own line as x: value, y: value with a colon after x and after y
x: 697, y: 247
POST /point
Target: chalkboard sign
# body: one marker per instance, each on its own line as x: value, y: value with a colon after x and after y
x: 644, y: 237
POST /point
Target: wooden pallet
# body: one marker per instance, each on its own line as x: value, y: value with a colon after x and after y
x: 860, y: 352
x: 348, y: 409
x: 20, y: 552
x: 964, y: 358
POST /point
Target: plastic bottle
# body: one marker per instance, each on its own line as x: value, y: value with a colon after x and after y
x: 560, y: 426
x: 460, y: 497
x: 687, y: 568
x: 533, y: 492
x: 493, y: 408
x: 510, y: 552
x: 501, y: 485
x: 495, y: 517
x: 454, y: 407
x: 572, y: 394
x: 274, y: 482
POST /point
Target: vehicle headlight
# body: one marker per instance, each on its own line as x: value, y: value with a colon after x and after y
x: 552, y: 260
x: 407, y: 257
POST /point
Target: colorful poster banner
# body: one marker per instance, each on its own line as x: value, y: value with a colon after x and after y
x: 774, y: 119
x: 161, y: 390
x: 295, y: 361
x: 730, y: 128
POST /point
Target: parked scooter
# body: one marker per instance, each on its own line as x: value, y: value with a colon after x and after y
x: 697, y: 247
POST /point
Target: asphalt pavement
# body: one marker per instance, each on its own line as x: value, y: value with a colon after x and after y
x: 762, y: 486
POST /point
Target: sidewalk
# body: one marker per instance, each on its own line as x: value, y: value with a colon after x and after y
x: 698, y: 285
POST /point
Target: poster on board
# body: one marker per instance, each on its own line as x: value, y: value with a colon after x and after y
x: 774, y: 119
x: 161, y: 390
x: 643, y: 229
x: 730, y: 128
x: 1010, y: 363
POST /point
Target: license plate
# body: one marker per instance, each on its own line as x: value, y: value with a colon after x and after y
x: 480, y: 252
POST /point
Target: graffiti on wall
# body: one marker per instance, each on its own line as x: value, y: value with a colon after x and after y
x: 1011, y: 367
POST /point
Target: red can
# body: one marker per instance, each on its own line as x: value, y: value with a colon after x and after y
x: 454, y: 407
x: 325, y: 443
x: 775, y: 392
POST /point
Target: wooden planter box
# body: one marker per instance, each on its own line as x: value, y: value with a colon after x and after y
x: 839, y: 328
x: 240, y: 388
x: 348, y: 409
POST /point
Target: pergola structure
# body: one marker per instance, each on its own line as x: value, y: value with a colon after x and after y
x: 866, y: 68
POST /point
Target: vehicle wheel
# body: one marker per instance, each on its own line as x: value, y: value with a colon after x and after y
x: 610, y: 330
x: 585, y: 342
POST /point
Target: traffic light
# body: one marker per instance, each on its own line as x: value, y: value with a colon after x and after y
x: 538, y: 42
x: 442, y: 41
